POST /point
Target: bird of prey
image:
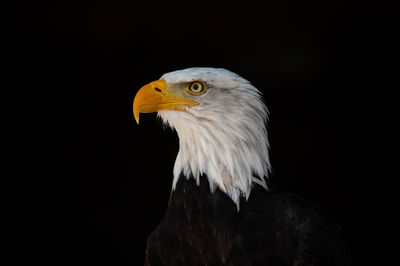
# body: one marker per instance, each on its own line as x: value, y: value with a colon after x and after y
x: 223, y: 208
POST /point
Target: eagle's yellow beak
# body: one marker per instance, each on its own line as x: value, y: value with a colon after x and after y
x: 157, y: 96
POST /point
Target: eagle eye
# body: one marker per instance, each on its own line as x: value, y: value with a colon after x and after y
x: 196, y: 87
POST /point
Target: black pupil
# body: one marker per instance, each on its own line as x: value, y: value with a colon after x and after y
x: 196, y: 87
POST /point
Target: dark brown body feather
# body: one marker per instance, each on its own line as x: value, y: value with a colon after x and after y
x: 271, y: 228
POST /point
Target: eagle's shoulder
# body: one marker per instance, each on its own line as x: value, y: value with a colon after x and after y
x: 275, y: 226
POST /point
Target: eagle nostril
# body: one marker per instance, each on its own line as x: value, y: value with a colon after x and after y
x: 157, y: 89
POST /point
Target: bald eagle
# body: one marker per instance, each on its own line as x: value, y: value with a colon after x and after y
x: 223, y: 208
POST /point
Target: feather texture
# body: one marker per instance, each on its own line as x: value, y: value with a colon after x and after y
x: 272, y: 228
x: 225, y: 136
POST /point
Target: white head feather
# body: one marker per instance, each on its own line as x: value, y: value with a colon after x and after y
x: 224, y: 136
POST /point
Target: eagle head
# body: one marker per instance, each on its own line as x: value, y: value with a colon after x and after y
x: 220, y: 119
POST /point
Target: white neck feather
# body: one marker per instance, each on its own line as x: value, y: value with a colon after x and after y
x: 228, y: 143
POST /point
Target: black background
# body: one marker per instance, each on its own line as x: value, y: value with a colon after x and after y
x: 98, y: 184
